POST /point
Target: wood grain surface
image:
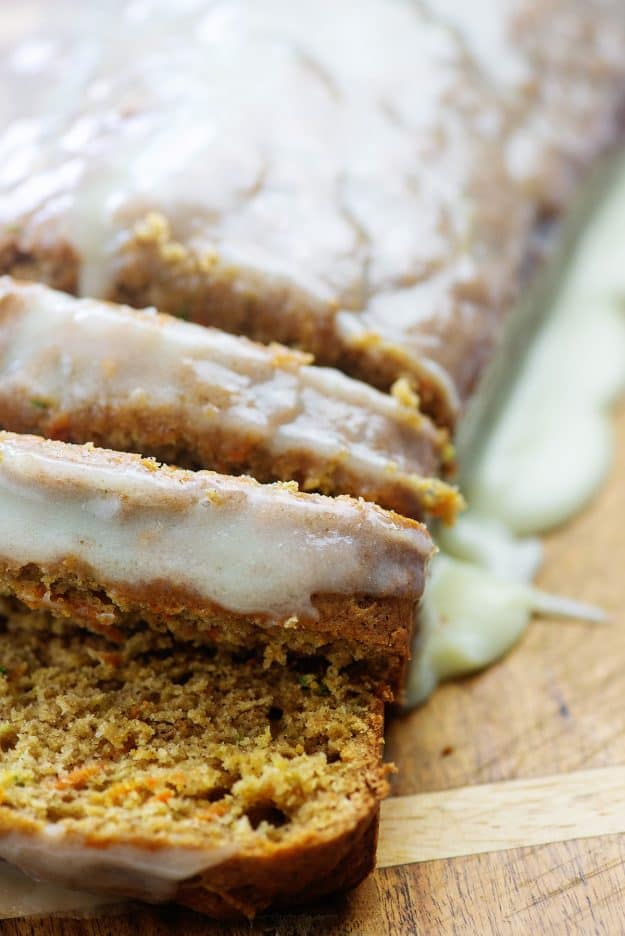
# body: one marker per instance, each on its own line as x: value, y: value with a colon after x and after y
x: 493, y: 817
x: 556, y: 704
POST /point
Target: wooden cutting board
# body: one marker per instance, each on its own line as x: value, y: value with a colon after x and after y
x: 554, y: 706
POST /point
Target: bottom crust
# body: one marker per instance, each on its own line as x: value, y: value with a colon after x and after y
x: 240, y: 889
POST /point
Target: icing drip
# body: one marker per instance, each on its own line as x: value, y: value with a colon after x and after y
x: 545, y: 457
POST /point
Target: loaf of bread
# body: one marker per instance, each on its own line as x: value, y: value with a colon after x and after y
x: 193, y: 667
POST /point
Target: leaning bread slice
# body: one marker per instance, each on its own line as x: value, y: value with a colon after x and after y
x: 87, y: 371
x: 169, y: 772
x: 110, y: 538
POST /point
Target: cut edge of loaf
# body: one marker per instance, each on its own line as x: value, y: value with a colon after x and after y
x: 376, y: 633
x: 278, y: 772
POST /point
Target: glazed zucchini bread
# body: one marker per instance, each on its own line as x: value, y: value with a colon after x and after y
x: 179, y: 772
x: 108, y: 539
x: 383, y: 217
x: 87, y: 371
x: 194, y: 666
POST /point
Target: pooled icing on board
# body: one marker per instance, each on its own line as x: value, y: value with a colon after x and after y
x: 545, y: 457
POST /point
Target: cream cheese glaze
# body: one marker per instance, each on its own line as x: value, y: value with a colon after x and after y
x: 545, y: 457
x: 250, y: 548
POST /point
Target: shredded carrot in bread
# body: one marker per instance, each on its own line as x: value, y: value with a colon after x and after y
x: 77, y: 778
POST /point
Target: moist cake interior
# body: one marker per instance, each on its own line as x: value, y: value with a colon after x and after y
x: 187, y: 747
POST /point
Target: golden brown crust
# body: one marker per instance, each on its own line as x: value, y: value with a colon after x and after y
x: 154, y: 270
x: 241, y: 888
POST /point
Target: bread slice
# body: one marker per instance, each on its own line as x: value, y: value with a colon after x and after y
x: 173, y: 772
x: 384, y: 230
x: 87, y: 371
x: 108, y: 539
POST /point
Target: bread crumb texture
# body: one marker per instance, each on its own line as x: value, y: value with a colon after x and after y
x: 165, y: 744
